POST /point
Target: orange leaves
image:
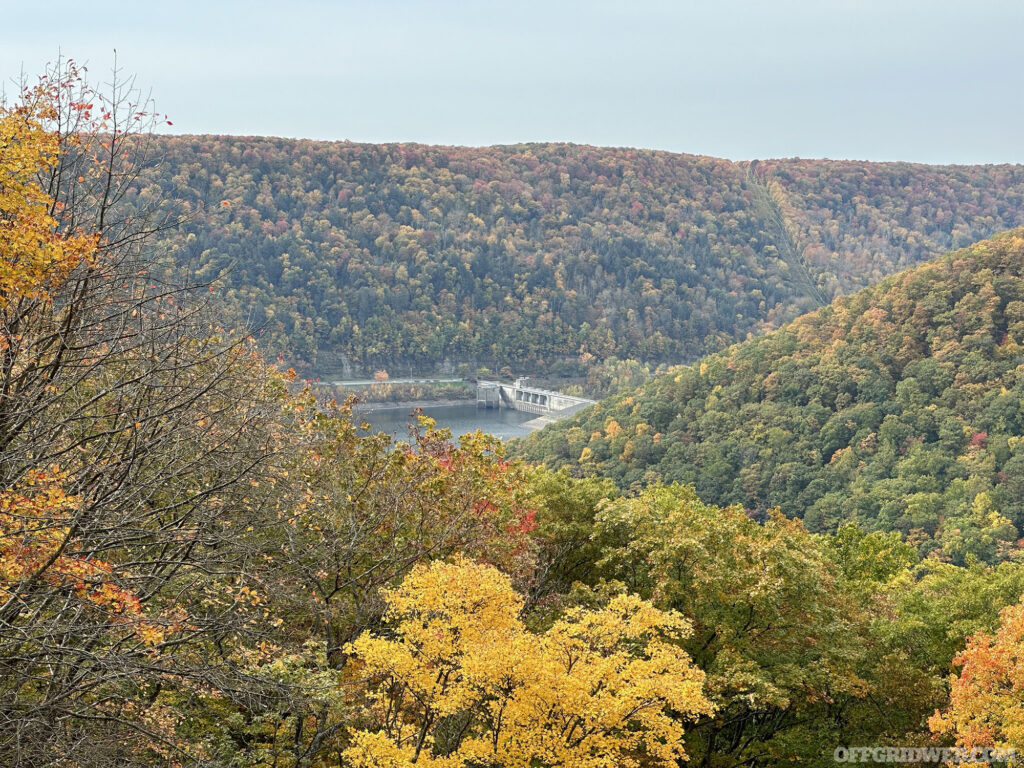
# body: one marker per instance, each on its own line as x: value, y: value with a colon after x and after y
x: 33, y: 527
x: 37, y: 550
x: 986, y: 702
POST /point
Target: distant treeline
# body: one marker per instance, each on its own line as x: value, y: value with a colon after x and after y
x: 534, y: 255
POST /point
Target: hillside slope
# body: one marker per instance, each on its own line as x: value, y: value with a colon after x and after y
x: 900, y: 407
x: 544, y: 254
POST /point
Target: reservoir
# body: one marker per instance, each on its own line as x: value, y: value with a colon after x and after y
x: 460, y: 419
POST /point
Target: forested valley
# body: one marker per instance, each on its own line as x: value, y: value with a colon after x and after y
x: 543, y: 257
x: 806, y: 541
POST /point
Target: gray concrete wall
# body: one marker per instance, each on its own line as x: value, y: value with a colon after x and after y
x: 532, y: 399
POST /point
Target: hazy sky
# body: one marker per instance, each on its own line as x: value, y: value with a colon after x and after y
x: 924, y: 80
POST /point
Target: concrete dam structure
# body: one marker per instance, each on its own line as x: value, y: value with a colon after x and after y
x: 549, y: 406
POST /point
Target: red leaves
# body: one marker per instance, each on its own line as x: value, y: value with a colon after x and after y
x: 527, y: 523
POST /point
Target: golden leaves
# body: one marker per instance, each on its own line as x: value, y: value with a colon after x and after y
x: 595, y: 689
x: 34, y: 256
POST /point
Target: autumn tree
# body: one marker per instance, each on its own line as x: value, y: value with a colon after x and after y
x: 985, y: 709
x: 460, y: 681
x: 771, y: 628
x: 376, y: 508
x: 132, y: 432
x: 369, y: 511
x: 568, y: 546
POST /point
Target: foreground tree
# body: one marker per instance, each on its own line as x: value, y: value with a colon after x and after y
x: 377, y: 508
x: 772, y: 630
x: 461, y: 681
x: 131, y: 435
x: 368, y: 512
x: 985, y: 704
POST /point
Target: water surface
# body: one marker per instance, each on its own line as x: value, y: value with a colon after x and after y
x: 460, y: 419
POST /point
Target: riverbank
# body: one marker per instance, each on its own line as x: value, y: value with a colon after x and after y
x: 540, y: 422
x: 398, y: 393
x: 409, y: 405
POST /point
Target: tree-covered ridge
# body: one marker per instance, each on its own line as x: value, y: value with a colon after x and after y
x: 513, y: 255
x: 855, y: 223
x: 899, y: 407
x: 530, y: 255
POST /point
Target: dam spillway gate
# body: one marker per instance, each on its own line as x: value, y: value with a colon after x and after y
x: 521, y: 397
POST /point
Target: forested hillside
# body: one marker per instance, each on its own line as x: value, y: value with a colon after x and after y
x: 899, y: 407
x: 544, y: 254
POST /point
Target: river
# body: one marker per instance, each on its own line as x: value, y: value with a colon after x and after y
x: 460, y: 419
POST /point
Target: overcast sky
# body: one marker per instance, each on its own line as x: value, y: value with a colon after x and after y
x: 922, y: 80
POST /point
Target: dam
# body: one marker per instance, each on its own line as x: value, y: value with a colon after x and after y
x: 548, y: 405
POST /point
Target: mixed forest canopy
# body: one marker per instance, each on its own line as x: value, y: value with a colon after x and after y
x: 898, y: 408
x: 544, y: 255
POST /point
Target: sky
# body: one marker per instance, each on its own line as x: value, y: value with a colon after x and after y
x: 933, y: 81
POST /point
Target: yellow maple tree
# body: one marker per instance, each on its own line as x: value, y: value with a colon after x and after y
x: 462, y: 681
x: 34, y: 254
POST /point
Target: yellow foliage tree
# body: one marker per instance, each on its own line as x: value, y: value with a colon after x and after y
x: 463, y: 682
x: 612, y: 429
x: 33, y: 254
